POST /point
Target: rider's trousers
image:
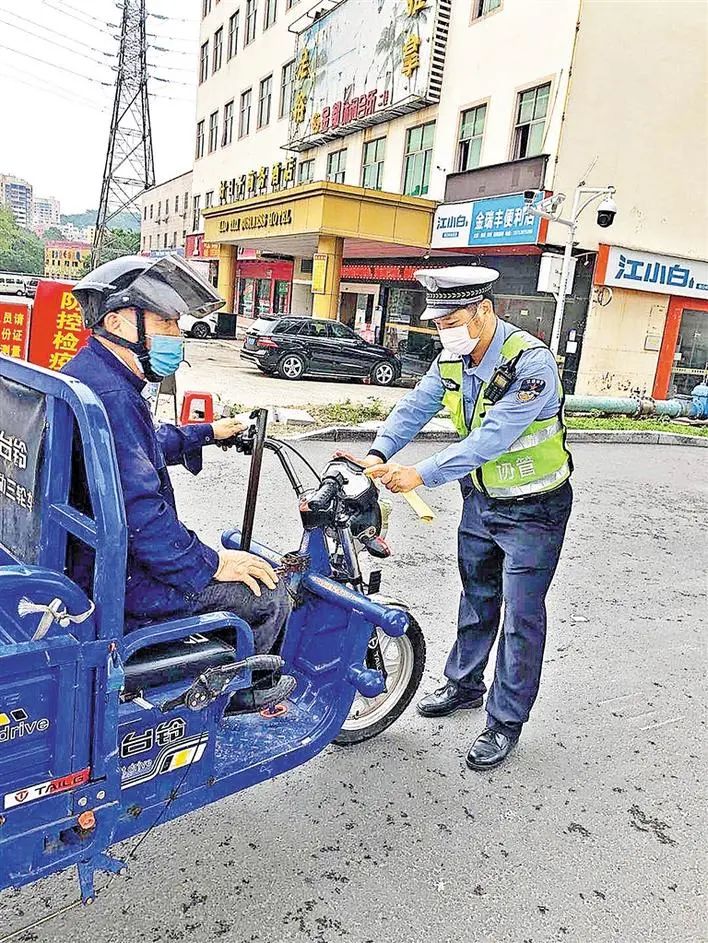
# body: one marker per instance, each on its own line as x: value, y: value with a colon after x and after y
x: 266, y: 614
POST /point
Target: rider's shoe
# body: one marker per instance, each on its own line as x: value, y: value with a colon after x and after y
x: 446, y: 700
x: 490, y: 749
x: 255, y: 699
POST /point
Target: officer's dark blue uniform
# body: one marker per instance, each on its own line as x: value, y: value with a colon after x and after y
x: 508, y: 549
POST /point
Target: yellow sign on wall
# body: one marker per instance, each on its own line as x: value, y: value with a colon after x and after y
x: 319, y: 273
x: 262, y: 222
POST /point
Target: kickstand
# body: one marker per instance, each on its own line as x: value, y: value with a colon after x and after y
x: 87, y: 871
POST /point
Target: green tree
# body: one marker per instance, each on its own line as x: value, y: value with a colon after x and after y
x: 52, y: 234
x: 118, y: 242
x: 20, y: 250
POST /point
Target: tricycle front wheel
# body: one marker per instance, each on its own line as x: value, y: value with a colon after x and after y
x: 404, y: 658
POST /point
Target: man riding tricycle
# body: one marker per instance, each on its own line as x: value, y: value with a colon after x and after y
x: 142, y: 673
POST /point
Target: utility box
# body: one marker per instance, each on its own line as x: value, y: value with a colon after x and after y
x: 549, y: 273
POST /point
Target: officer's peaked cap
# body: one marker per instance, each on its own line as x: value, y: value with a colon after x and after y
x: 456, y: 286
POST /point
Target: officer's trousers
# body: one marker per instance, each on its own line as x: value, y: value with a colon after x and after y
x: 507, y: 551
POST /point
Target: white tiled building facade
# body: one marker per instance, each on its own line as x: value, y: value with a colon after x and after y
x: 165, y: 215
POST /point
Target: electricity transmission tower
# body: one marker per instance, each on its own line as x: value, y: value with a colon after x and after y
x: 129, y: 169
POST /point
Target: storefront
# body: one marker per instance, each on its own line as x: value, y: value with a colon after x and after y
x: 648, y: 324
x: 263, y: 287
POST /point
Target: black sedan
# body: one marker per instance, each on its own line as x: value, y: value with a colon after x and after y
x: 293, y: 348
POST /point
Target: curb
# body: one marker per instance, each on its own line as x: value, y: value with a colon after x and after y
x: 603, y: 436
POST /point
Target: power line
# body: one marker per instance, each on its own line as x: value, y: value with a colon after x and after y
x: 83, y: 22
x: 54, y: 42
x: 67, y: 95
x: 88, y: 16
x: 55, y: 32
x: 81, y: 75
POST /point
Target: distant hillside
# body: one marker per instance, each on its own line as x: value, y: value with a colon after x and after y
x: 88, y: 218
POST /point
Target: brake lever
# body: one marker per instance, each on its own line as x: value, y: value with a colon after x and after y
x: 241, y: 441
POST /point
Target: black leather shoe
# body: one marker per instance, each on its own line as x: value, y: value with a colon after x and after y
x: 489, y: 750
x: 446, y: 700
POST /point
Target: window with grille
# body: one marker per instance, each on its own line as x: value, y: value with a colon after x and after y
x: 336, y: 165
x: 218, y: 49
x: 244, y: 118
x: 232, y: 47
x: 196, y: 213
x: 251, y: 13
x: 199, y: 145
x: 418, y: 159
x: 204, y: 63
x: 469, y: 148
x: 228, y: 132
x: 265, y: 95
x: 286, y: 89
x: 373, y: 164
x: 213, y: 131
x: 531, y: 112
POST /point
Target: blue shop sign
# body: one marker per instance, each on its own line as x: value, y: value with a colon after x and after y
x: 493, y: 221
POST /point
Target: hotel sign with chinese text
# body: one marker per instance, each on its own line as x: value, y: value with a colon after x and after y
x: 648, y: 271
x: 365, y: 63
x: 494, y: 221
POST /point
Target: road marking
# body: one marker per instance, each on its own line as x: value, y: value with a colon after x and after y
x: 621, y: 697
x: 663, y: 723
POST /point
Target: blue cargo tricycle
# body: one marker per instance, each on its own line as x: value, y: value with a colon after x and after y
x: 104, y: 733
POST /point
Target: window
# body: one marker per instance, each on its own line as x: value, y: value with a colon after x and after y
x: 150, y: 241
x: 199, y: 147
x: 218, y: 49
x: 159, y: 211
x: 418, y: 158
x: 373, y: 164
x: 482, y: 7
x: 196, y: 213
x: 251, y: 11
x: 286, y: 89
x: 342, y: 332
x: 233, y: 35
x: 306, y: 171
x: 164, y: 241
x: 208, y: 199
x: 289, y: 4
x: 185, y: 204
x: 336, y: 165
x: 203, y: 63
x: 174, y: 240
x: 213, y: 131
x: 145, y: 212
x: 531, y: 114
x: 228, y: 132
x: 244, y: 118
x: 206, y: 7
x: 151, y: 209
x: 271, y: 11
x: 177, y: 203
x: 265, y: 95
x: 471, y: 132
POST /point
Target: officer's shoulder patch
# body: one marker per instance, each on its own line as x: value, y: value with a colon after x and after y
x: 450, y: 384
x: 530, y: 388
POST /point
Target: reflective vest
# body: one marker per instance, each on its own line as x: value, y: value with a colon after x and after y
x: 537, y: 461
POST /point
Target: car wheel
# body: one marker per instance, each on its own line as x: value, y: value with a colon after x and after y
x: 201, y: 331
x: 291, y: 367
x: 383, y: 374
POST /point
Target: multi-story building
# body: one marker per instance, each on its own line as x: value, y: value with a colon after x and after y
x: 338, y: 145
x: 45, y: 213
x: 16, y: 194
x: 165, y: 212
x: 74, y: 233
x: 64, y: 259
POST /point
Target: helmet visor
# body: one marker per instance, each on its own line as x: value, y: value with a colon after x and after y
x: 171, y: 288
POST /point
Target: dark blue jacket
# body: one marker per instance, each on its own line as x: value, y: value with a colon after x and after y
x: 168, y: 565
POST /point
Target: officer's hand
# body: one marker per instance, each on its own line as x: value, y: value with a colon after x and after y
x: 395, y: 477
x: 237, y: 566
x: 225, y: 428
x: 367, y: 461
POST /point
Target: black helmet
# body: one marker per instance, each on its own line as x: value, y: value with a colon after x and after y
x: 167, y: 286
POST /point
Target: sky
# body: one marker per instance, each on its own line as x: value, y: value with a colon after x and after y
x: 54, y: 123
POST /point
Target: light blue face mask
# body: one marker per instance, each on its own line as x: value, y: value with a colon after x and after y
x: 166, y: 354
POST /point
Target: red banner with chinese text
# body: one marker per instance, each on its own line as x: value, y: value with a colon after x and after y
x: 57, y: 331
x: 14, y: 329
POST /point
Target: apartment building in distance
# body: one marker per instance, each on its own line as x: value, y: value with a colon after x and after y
x: 340, y: 145
x: 16, y: 194
x: 46, y: 212
x: 165, y: 216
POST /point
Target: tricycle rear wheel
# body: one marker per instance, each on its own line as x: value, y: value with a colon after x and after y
x: 404, y: 658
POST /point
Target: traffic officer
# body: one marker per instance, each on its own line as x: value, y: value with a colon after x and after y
x: 504, y: 395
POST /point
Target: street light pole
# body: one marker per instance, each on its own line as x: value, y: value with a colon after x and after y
x: 548, y: 209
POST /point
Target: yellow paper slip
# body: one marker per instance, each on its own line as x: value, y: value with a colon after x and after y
x: 424, y: 512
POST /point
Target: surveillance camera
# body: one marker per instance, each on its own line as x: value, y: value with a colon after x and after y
x: 529, y: 196
x: 606, y: 212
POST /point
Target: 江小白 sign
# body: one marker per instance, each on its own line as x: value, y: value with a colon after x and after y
x: 649, y: 271
x: 493, y: 221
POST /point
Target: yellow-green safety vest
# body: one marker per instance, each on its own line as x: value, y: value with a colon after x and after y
x: 537, y: 461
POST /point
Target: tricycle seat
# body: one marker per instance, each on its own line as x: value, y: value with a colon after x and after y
x: 177, y: 660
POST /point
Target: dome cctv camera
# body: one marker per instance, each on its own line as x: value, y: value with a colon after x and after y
x: 606, y: 212
x: 529, y: 196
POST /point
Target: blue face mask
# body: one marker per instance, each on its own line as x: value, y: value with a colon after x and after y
x: 166, y: 354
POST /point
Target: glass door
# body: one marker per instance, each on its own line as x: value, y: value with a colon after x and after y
x: 690, y: 366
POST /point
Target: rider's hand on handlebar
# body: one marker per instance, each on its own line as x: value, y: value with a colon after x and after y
x: 367, y: 461
x: 226, y: 428
x: 395, y: 477
x: 237, y: 566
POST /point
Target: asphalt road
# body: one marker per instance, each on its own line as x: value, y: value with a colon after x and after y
x: 594, y: 831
